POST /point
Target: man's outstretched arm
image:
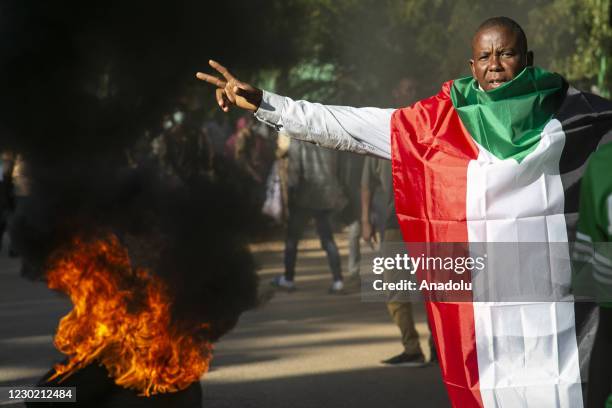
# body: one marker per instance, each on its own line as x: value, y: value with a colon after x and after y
x: 358, y: 130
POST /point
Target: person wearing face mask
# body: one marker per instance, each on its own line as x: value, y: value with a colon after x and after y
x: 496, y: 157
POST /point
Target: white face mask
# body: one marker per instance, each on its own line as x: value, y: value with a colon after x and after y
x: 178, y: 117
x: 167, y: 124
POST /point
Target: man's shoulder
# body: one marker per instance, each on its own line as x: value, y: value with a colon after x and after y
x: 587, y: 116
x: 586, y: 101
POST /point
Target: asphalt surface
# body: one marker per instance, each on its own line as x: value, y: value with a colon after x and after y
x: 302, y: 349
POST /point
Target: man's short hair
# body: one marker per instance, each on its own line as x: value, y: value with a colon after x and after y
x: 508, y: 23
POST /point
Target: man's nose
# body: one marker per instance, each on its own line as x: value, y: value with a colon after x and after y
x: 494, y: 63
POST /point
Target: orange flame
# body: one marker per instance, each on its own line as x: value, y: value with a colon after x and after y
x: 121, y: 318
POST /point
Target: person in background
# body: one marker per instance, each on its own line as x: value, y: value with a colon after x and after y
x: 218, y: 131
x: 21, y: 188
x: 229, y: 150
x: 351, y: 168
x: 593, y: 250
x: 183, y: 148
x: 250, y: 149
x: 314, y: 192
x: 6, y: 205
x: 253, y: 153
x: 403, y: 94
x: 282, y: 160
x: 377, y: 175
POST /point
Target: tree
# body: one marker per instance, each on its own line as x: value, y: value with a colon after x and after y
x: 578, y: 39
x: 353, y: 52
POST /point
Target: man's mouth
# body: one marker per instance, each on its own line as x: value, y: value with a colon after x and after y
x: 494, y: 83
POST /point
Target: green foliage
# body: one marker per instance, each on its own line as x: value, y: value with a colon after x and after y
x: 371, y: 44
x: 355, y: 51
x: 578, y: 36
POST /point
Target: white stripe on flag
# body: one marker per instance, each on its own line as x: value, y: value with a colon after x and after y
x: 581, y: 256
x: 527, y: 351
x: 602, y: 259
x: 604, y: 270
x: 603, y: 276
x: 585, y: 248
x: 583, y: 237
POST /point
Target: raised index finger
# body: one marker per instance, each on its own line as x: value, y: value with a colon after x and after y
x: 211, y: 79
x: 221, y: 69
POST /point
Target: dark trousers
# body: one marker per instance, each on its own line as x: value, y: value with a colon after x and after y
x: 298, y: 217
x: 400, y: 309
x: 600, y: 371
x: 4, y: 208
x: 3, y: 222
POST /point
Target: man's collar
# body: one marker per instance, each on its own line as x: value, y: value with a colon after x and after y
x: 530, y: 80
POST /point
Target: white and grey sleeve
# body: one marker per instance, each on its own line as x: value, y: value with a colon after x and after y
x: 358, y: 130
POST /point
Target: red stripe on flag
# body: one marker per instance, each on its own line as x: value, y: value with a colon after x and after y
x: 431, y: 150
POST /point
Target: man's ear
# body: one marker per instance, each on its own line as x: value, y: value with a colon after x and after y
x: 529, y: 57
x: 471, y: 62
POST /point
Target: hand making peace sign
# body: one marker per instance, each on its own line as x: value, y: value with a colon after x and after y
x: 231, y: 91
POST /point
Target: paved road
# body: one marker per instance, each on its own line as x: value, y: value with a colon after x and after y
x: 303, y: 349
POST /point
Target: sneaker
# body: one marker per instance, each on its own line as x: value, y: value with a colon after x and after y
x: 282, y: 283
x: 337, y: 288
x: 405, y: 360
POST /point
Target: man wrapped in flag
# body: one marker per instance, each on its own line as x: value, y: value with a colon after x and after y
x: 493, y: 158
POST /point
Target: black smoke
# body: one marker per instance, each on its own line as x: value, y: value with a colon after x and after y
x: 82, y: 83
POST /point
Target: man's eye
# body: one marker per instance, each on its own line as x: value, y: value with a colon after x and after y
x: 483, y: 57
x: 508, y: 54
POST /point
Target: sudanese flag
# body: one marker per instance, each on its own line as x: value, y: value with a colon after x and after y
x: 504, y: 166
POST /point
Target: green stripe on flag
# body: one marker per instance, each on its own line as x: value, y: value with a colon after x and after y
x: 508, y: 120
